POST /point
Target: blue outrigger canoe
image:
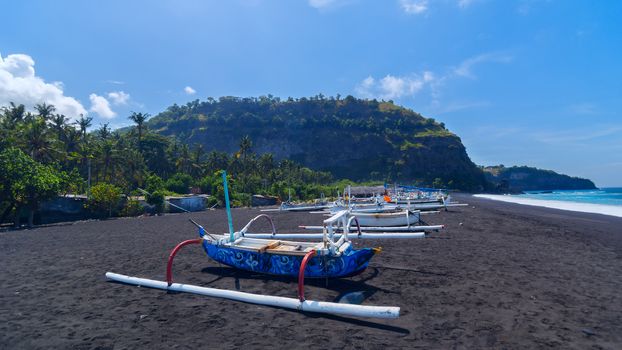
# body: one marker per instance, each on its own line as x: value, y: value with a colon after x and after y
x: 332, y: 258
x: 284, y: 258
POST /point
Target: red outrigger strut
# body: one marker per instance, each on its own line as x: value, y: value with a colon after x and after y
x: 169, y: 265
x: 301, y: 272
x: 301, y: 275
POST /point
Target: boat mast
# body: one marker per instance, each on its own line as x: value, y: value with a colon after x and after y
x: 229, y: 220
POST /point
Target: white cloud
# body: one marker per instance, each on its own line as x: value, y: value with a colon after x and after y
x: 118, y: 97
x: 20, y: 84
x: 574, y: 136
x: 414, y: 6
x: 101, y: 106
x: 455, y: 106
x: 464, y: 3
x: 465, y: 68
x: 319, y: 4
x: 525, y: 7
x: 189, y: 90
x: 583, y: 108
x: 367, y: 83
x: 391, y: 87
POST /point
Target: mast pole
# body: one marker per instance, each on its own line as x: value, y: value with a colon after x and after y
x: 229, y: 220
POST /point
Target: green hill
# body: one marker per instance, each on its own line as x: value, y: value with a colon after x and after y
x: 351, y: 138
x: 523, y: 178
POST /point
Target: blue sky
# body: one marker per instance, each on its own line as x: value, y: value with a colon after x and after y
x: 523, y: 82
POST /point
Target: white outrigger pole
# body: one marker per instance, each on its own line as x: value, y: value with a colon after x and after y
x: 352, y: 219
x: 269, y: 300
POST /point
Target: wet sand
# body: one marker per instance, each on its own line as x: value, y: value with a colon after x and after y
x: 510, y: 276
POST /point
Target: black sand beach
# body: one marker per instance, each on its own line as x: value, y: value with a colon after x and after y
x: 510, y: 276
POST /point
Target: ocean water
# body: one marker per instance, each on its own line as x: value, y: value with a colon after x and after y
x: 607, y: 196
x: 607, y: 201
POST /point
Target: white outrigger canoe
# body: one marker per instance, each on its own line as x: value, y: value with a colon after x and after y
x: 298, y: 207
x: 422, y: 229
x: 401, y: 218
x: 358, y: 209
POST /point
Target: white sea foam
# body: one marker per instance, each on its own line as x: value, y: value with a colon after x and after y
x: 612, y: 210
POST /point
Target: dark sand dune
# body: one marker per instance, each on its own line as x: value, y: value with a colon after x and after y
x: 510, y: 277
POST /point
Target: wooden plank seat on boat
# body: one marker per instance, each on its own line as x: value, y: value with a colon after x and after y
x: 256, y: 245
x: 294, y: 248
x: 276, y: 246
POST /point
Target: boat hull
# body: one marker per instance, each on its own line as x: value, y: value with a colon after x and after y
x: 351, y: 262
x: 387, y: 219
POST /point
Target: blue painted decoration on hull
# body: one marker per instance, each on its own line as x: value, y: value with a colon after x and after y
x: 351, y: 262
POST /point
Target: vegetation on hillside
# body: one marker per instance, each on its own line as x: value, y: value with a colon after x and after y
x: 523, y: 178
x: 43, y: 154
x: 348, y: 137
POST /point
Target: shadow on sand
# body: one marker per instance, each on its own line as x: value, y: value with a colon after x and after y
x: 350, y: 291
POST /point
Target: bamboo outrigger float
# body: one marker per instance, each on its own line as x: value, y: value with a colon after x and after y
x: 333, y: 257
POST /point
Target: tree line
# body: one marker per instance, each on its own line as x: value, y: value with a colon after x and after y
x: 44, y: 154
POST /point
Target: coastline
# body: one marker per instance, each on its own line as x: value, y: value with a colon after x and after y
x: 500, y: 275
x: 611, y: 210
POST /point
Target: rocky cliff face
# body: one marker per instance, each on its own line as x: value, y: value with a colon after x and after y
x: 351, y: 138
x: 516, y: 179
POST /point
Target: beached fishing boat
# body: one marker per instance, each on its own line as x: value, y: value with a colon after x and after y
x: 402, y: 194
x: 333, y: 257
x: 385, y: 229
x: 287, y: 206
x: 319, y: 204
x: 402, y: 218
x: 386, y: 204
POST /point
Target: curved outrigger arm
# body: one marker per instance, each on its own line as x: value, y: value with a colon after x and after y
x: 356, y: 221
x: 338, y: 219
x: 245, y: 229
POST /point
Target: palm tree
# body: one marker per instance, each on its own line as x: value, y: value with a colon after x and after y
x: 139, y: 119
x: 29, y: 117
x: 72, y: 141
x: 38, y: 140
x: 197, y: 160
x: 132, y: 168
x: 245, y: 146
x: 45, y: 111
x: 11, y: 118
x: 14, y: 113
x: 216, y: 161
x: 108, y: 156
x: 84, y: 150
x: 184, y: 161
x: 104, y: 132
x: 266, y: 163
x: 59, y: 121
x: 84, y: 123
